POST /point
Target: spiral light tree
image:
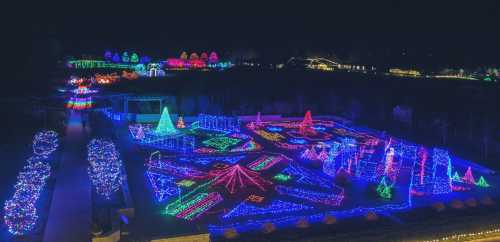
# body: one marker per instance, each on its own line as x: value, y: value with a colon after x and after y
x: 105, y: 167
x: 20, y: 213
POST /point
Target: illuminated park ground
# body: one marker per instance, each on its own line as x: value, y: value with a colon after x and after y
x: 233, y: 178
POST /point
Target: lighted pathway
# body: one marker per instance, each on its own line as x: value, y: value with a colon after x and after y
x: 70, y: 210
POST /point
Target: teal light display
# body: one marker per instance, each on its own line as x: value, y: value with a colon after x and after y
x: 165, y: 126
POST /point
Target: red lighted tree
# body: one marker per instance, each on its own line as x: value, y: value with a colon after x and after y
x: 236, y: 177
x: 306, y: 126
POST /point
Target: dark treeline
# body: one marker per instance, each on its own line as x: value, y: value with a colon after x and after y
x: 462, y: 115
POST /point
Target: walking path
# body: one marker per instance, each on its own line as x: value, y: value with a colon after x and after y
x: 70, y: 209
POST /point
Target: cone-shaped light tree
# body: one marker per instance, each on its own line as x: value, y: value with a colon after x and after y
x: 165, y: 126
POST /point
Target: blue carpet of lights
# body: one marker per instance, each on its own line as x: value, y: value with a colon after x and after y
x: 243, y: 176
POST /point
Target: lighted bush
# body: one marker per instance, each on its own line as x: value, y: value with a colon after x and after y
x: 471, y: 202
x: 302, y: 223
x: 439, y: 206
x: 371, y: 216
x: 457, y: 204
x: 230, y: 233
x: 329, y: 219
x: 486, y: 200
x: 268, y: 228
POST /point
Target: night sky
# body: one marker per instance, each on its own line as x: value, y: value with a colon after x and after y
x: 441, y: 34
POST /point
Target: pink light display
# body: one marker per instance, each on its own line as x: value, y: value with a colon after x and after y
x: 306, y: 126
x: 422, y: 153
x: 236, y: 177
x: 468, y: 177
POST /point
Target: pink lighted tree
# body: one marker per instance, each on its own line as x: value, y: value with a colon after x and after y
x: 236, y: 177
x: 213, y: 58
x: 306, y: 126
x: 468, y: 177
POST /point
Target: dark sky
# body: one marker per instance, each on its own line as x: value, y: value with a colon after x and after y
x: 392, y: 32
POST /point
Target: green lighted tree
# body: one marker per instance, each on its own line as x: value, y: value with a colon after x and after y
x: 384, y: 190
x: 134, y: 58
x: 482, y: 182
x: 165, y: 126
x: 456, y: 177
x: 125, y: 57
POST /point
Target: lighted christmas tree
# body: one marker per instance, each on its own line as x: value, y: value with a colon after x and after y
x: 204, y: 56
x: 194, y: 56
x: 468, y: 177
x: 384, y: 190
x: 134, y: 58
x: 456, y: 177
x: 140, y: 133
x: 180, y: 123
x: 184, y: 55
x: 213, y: 58
x: 482, y: 182
x: 108, y: 55
x: 323, y: 155
x: 165, y: 126
x: 309, y: 154
x: 125, y: 57
x: 306, y: 126
x: 116, y: 58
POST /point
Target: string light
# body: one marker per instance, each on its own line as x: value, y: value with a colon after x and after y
x: 146, y: 135
x: 170, y: 168
x: 244, y: 209
x: 383, y: 189
x: 265, y: 162
x: 95, y: 64
x: 306, y: 176
x: 209, y: 159
x: 468, y: 177
x: 221, y: 143
x: 164, y: 187
x: 441, y: 171
x: 248, y: 146
x: 165, y: 125
x: 456, y: 177
x: 79, y: 103
x: 329, y: 165
x: 333, y: 199
x: 236, y: 178
x: 219, y: 123
x: 482, y: 182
